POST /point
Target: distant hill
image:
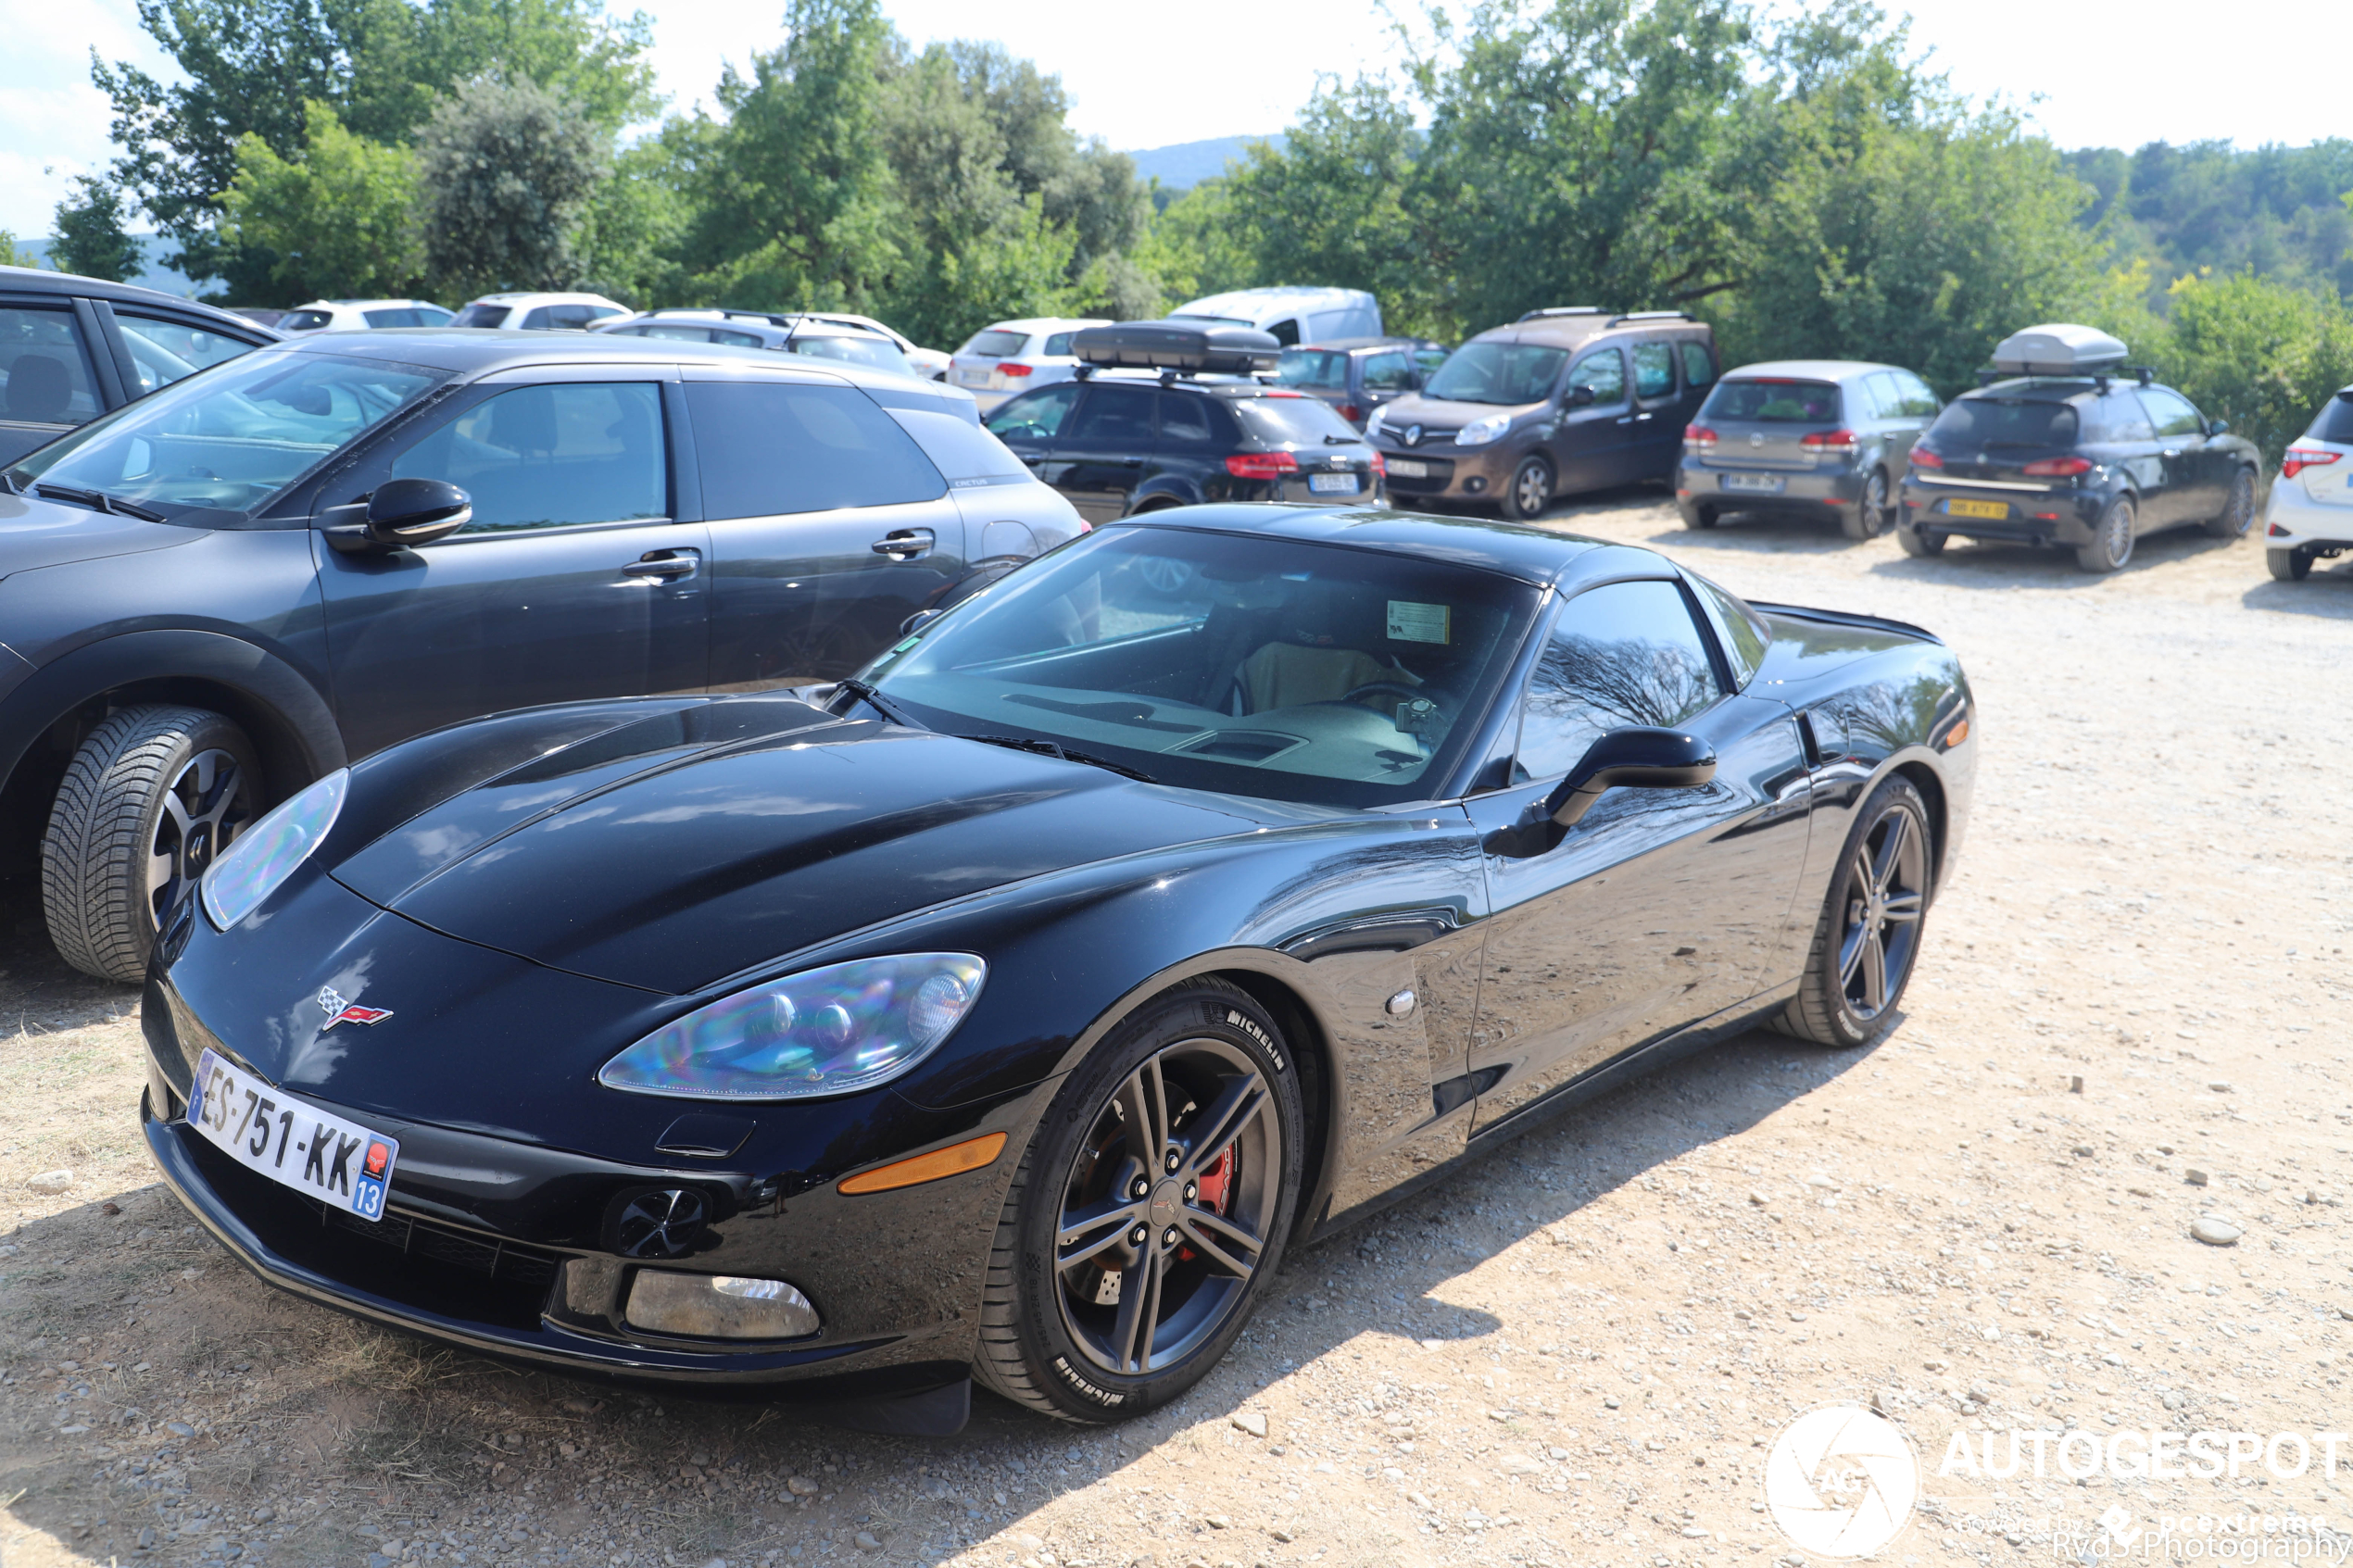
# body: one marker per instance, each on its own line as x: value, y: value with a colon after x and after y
x: 155, y: 275
x: 1186, y: 164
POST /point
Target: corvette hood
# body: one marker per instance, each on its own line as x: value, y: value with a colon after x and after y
x: 689, y: 870
x: 34, y: 532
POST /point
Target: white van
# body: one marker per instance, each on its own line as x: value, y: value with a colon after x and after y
x: 1293, y: 315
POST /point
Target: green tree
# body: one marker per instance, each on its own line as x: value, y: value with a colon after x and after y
x: 93, y: 235
x: 1201, y: 242
x: 11, y: 257
x: 338, y: 222
x: 249, y: 68
x: 507, y: 170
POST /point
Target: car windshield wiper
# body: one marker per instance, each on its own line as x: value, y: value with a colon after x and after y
x: 98, y: 501
x: 873, y: 699
x: 1062, y: 753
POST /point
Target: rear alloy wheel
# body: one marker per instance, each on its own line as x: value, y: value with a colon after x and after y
x: 151, y: 798
x: 1869, y: 936
x: 2289, y: 565
x: 2238, y: 512
x: 1915, y: 542
x: 1149, y: 1213
x: 1530, y: 490
x: 1871, y: 517
x: 2111, y: 544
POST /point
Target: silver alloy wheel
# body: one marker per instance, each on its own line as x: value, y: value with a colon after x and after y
x: 1167, y: 1206
x: 1887, y: 896
x: 207, y: 803
x: 2112, y: 540
x: 1531, y: 488
x: 1875, y: 511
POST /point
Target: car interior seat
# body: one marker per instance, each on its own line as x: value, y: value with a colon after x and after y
x: 1319, y: 654
x: 39, y: 389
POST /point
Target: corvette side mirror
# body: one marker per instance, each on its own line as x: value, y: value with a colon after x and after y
x: 1638, y: 756
x: 2219, y: 427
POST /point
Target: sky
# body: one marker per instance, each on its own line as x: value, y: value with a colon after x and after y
x: 2089, y: 75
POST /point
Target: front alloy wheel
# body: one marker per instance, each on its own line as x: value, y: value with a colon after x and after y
x: 152, y: 798
x: 1154, y: 1200
x: 1530, y: 491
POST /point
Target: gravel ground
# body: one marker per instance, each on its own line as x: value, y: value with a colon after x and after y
x: 2129, y: 1016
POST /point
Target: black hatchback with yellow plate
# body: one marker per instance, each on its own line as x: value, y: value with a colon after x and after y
x: 2073, y: 449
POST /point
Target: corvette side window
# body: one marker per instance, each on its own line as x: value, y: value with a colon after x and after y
x: 1625, y: 654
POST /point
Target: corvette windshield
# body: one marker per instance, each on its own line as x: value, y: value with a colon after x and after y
x: 230, y: 437
x: 1245, y: 664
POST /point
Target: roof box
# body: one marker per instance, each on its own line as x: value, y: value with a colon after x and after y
x: 1176, y: 345
x: 2057, y: 348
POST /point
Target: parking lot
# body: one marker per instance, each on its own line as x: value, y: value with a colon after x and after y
x: 1576, y: 1352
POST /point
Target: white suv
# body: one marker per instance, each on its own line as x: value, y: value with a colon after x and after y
x: 358, y: 315
x: 2311, y: 513
x: 1012, y: 357
x: 539, y: 312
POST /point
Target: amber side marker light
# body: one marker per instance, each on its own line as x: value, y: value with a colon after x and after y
x: 1960, y: 733
x: 953, y: 1160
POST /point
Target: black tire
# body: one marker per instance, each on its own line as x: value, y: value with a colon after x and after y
x: 2238, y: 510
x: 2289, y: 565
x: 1867, y: 940
x: 1698, y: 516
x: 2112, y: 538
x: 1915, y: 542
x: 152, y: 796
x: 1530, y: 490
x: 1872, y: 513
x: 1050, y: 1339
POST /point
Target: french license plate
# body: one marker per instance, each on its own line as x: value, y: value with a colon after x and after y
x: 1332, y: 483
x: 1408, y: 468
x: 1957, y: 507
x: 1755, y: 483
x: 972, y: 378
x: 289, y: 1140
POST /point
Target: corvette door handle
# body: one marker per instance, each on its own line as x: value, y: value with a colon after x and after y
x: 1641, y: 418
x: 905, y: 544
x: 668, y: 565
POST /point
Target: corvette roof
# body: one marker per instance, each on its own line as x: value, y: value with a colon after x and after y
x: 1532, y: 555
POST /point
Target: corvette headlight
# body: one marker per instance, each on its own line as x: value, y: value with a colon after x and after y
x: 268, y: 852
x: 1480, y: 432
x: 829, y: 1030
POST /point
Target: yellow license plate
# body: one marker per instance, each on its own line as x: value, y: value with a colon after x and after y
x: 1977, y: 508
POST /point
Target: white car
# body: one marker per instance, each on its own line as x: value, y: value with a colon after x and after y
x: 539, y: 312
x: 359, y: 314
x: 2310, y: 514
x: 930, y: 364
x: 1020, y: 356
x: 1292, y: 314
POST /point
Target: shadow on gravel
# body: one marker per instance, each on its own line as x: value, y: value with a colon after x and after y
x: 204, y: 1411
x: 38, y: 989
x: 1968, y: 565
x: 2327, y: 593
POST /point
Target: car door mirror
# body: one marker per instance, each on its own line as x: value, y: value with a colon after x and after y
x: 404, y: 513
x: 2219, y: 427
x: 1638, y: 756
x: 1579, y: 398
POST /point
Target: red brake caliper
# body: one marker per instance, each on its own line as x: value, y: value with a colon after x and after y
x: 1217, y: 1187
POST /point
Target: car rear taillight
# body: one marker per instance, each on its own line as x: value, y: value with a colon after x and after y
x: 1010, y: 369
x: 1829, y: 441
x: 1380, y: 465
x: 1261, y: 465
x: 2058, y: 468
x: 1924, y: 457
x: 2295, y: 459
x: 1698, y: 438
x: 1352, y: 413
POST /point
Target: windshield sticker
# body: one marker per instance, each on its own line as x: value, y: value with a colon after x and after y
x: 1411, y: 622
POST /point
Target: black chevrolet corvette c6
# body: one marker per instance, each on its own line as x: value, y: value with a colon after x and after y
x: 1203, y: 885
